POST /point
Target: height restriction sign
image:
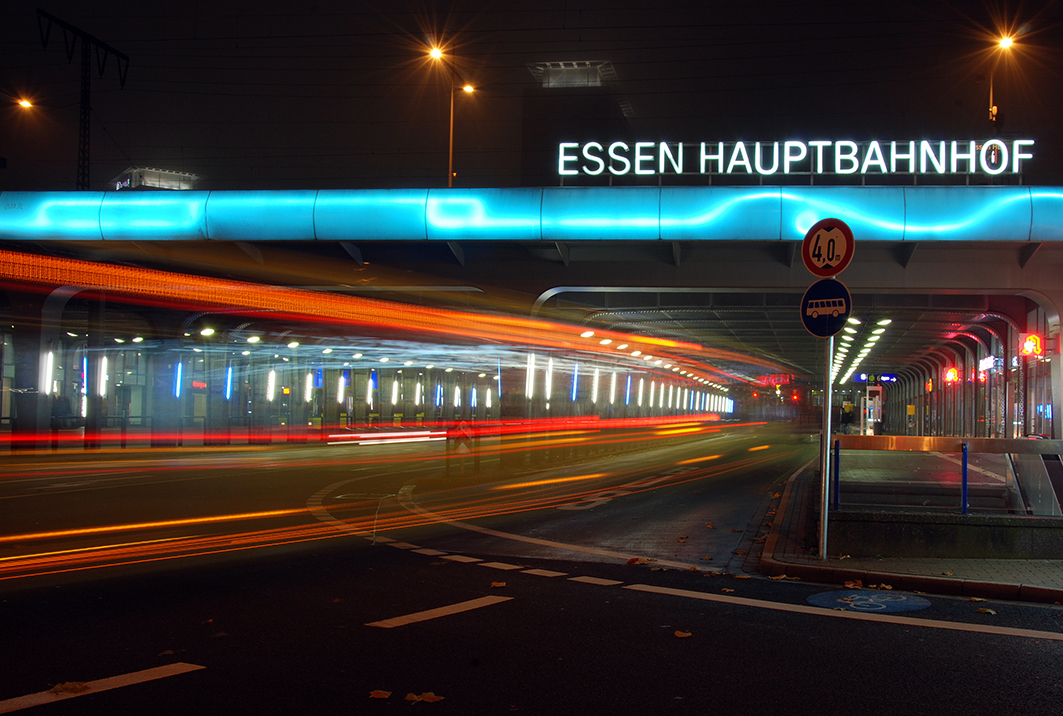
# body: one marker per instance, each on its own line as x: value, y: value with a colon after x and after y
x: 828, y: 247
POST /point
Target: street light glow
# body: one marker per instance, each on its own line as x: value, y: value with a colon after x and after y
x: 1006, y: 42
x: 25, y: 103
x: 436, y: 53
x: 468, y: 88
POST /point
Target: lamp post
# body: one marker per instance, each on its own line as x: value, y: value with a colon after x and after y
x: 1004, y: 43
x: 437, y: 54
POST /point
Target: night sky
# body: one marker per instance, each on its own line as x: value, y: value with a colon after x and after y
x: 260, y: 94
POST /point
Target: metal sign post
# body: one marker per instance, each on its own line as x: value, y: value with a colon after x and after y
x: 824, y: 446
x: 825, y: 308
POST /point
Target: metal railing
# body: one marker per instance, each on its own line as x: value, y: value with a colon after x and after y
x: 1034, y: 478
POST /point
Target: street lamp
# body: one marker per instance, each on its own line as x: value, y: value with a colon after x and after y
x: 1004, y: 43
x: 437, y: 54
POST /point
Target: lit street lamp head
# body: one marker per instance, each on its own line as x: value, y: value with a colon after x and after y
x: 468, y: 88
x: 25, y: 103
x: 1006, y: 42
x: 436, y: 53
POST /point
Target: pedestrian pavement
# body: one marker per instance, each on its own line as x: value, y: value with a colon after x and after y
x: 791, y: 549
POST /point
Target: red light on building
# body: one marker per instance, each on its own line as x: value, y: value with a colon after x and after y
x: 952, y: 375
x: 981, y: 376
x: 929, y: 386
x: 1030, y: 344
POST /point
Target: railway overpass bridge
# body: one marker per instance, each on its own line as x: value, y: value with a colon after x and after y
x: 707, y: 277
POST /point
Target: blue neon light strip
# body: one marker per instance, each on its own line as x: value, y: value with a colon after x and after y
x: 881, y: 213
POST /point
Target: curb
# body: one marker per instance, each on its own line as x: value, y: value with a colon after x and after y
x: 773, y: 566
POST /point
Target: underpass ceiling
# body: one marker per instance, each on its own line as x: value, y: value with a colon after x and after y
x: 713, y: 310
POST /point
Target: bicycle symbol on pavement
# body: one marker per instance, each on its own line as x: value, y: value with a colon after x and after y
x: 869, y: 601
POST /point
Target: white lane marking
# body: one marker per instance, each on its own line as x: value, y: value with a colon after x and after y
x: 860, y: 616
x: 499, y: 565
x: 973, y: 468
x: 405, y: 498
x: 404, y: 545
x: 440, y: 612
x: 595, y: 580
x: 429, y: 552
x: 462, y: 558
x: 95, y: 687
x: 544, y: 573
x: 315, y: 507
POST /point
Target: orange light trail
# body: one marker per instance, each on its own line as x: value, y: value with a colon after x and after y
x: 699, y: 459
x: 552, y: 481
x: 150, y: 525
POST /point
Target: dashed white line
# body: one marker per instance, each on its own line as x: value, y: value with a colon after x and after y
x: 595, y: 580
x: 544, y: 573
x: 429, y: 552
x: 462, y: 558
x: 94, y: 687
x: 499, y: 565
x: 436, y: 613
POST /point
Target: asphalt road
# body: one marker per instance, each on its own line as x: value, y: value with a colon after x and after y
x: 522, y: 601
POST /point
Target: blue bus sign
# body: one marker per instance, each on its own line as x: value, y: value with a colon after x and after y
x: 825, y: 307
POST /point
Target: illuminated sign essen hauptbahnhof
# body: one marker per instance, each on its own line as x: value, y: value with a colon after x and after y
x: 992, y: 157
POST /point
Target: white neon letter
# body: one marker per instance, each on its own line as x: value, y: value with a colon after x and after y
x: 926, y: 150
x: 717, y: 157
x: 618, y: 158
x: 774, y: 160
x: 845, y: 153
x: 641, y: 158
x: 666, y: 151
x: 594, y: 158
x: 563, y: 158
x: 873, y: 156
x: 910, y: 156
x: 983, y: 158
x: 969, y: 157
x: 1017, y: 153
x: 819, y: 144
x: 789, y: 157
x: 740, y: 149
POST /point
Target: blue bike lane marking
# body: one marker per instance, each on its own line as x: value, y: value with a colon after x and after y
x: 863, y: 600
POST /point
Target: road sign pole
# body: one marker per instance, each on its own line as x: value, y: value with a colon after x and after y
x: 824, y: 447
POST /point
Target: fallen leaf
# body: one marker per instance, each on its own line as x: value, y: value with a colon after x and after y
x: 682, y: 536
x: 682, y: 541
x: 844, y: 556
x: 692, y: 568
x: 497, y: 585
x: 739, y: 551
x: 741, y: 576
x: 639, y: 560
x: 983, y: 610
x: 734, y: 530
x: 853, y: 584
x: 682, y: 634
x: 378, y: 694
x: 725, y: 589
x: 705, y: 559
x: 887, y: 587
x: 426, y: 696
x: 69, y: 687
x: 978, y: 599
x: 841, y: 609
x: 949, y: 574
x: 710, y: 525
x: 777, y: 495
x: 778, y: 576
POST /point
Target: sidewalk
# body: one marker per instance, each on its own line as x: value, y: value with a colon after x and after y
x: 791, y: 550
